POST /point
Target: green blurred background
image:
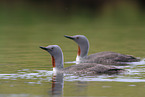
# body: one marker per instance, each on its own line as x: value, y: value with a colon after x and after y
x: 110, y: 25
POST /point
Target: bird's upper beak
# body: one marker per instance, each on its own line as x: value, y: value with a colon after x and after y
x: 44, y: 48
x: 70, y: 37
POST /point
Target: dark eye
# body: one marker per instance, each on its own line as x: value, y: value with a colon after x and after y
x: 52, y: 48
x: 77, y: 37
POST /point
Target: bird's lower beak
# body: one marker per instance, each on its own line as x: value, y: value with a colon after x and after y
x: 70, y: 37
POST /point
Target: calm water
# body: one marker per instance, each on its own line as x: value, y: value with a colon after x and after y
x: 26, y: 71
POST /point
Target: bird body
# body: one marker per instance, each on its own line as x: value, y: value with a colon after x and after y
x: 106, y: 58
x: 83, y: 68
x: 92, y: 68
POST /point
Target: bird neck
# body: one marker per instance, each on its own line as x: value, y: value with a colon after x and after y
x: 57, y: 62
x: 83, y: 49
x: 79, y: 51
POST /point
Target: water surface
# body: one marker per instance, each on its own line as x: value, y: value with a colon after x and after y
x: 26, y: 71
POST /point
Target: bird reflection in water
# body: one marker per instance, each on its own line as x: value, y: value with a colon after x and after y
x: 57, y: 85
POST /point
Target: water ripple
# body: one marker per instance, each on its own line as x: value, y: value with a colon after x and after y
x: 133, y: 75
x: 135, y: 72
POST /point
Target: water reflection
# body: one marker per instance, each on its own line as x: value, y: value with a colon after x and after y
x: 79, y: 84
x: 57, y: 85
x: 40, y: 77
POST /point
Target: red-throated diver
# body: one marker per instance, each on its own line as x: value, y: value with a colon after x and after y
x: 83, y: 68
x: 107, y: 58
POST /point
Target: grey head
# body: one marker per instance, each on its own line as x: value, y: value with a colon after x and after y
x: 56, y: 54
x: 83, y: 44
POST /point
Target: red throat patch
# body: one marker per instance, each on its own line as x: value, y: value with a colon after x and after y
x: 53, y: 61
x: 79, y: 50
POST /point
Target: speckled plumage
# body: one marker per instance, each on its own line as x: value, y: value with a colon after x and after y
x: 92, y: 68
x: 109, y: 58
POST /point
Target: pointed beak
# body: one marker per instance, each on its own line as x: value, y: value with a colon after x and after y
x: 70, y: 37
x: 44, y: 48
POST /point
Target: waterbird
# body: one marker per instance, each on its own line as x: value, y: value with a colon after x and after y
x: 107, y: 57
x: 82, y: 68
